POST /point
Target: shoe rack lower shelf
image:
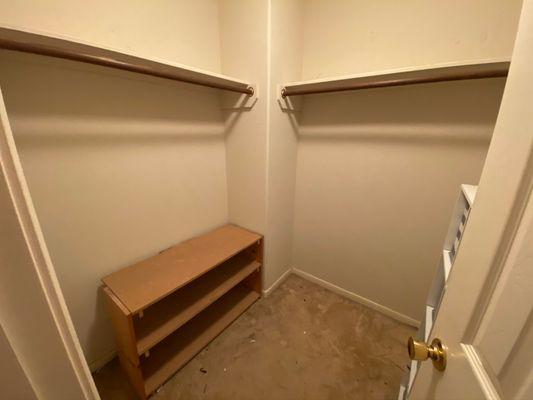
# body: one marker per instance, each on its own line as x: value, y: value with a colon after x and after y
x: 173, y: 352
x: 175, y: 310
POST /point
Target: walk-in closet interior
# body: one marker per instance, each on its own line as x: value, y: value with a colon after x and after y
x: 306, y: 153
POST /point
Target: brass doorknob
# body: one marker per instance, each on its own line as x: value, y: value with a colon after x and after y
x: 421, y: 351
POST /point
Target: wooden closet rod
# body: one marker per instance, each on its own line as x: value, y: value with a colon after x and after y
x: 429, y: 75
x: 11, y: 39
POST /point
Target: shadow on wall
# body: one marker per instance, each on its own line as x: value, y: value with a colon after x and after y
x: 435, y: 113
x: 75, y: 101
x: 377, y: 176
x: 291, y: 107
x: 119, y: 166
x: 234, y: 105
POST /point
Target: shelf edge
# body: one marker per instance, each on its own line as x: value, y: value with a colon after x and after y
x: 479, y: 69
x: 50, y: 45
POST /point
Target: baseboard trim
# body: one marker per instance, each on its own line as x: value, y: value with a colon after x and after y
x: 98, y: 364
x: 279, y: 281
x: 357, y: 298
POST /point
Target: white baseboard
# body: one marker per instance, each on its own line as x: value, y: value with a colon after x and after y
x: 97, y: 364
x: 357, y: 298
x: 278, y: 282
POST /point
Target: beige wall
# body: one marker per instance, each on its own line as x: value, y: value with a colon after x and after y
x: 345, y: 37
x: 243, y: 34
x: 13, y: 380
x: 119, y: 165
x: 285, y: 66
x: 261, y: 141
x: 180, y: 31
x: 378, y: 174
x: 379, y: 170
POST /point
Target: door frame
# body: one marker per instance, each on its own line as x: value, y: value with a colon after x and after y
x: 22, y: 337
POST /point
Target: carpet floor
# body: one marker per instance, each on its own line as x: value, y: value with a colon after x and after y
x: 301, y: 342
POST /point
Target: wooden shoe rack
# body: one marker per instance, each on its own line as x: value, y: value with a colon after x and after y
x: 165, y: 309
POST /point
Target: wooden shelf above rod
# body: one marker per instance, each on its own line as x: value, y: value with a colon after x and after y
x: 34, y: 43
x: 400, y: 77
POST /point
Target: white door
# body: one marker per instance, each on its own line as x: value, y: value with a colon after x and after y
x: 485, y: 319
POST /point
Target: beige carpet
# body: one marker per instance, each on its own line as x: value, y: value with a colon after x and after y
x: 301, y: 342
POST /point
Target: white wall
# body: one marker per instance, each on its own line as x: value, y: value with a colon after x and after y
x: 119, y: 165
x: 285, y: 64
x: 349, y: 36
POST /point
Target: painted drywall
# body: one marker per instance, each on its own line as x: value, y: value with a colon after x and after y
x: 488, y: 259
x: 378, y: 174
x: 180, y: 31
x: 378, y: 171
x: 285, y: 66
x: 243, y: 53
x: 350, y: 36
x: 119, y: 165
x: 261, y: 140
